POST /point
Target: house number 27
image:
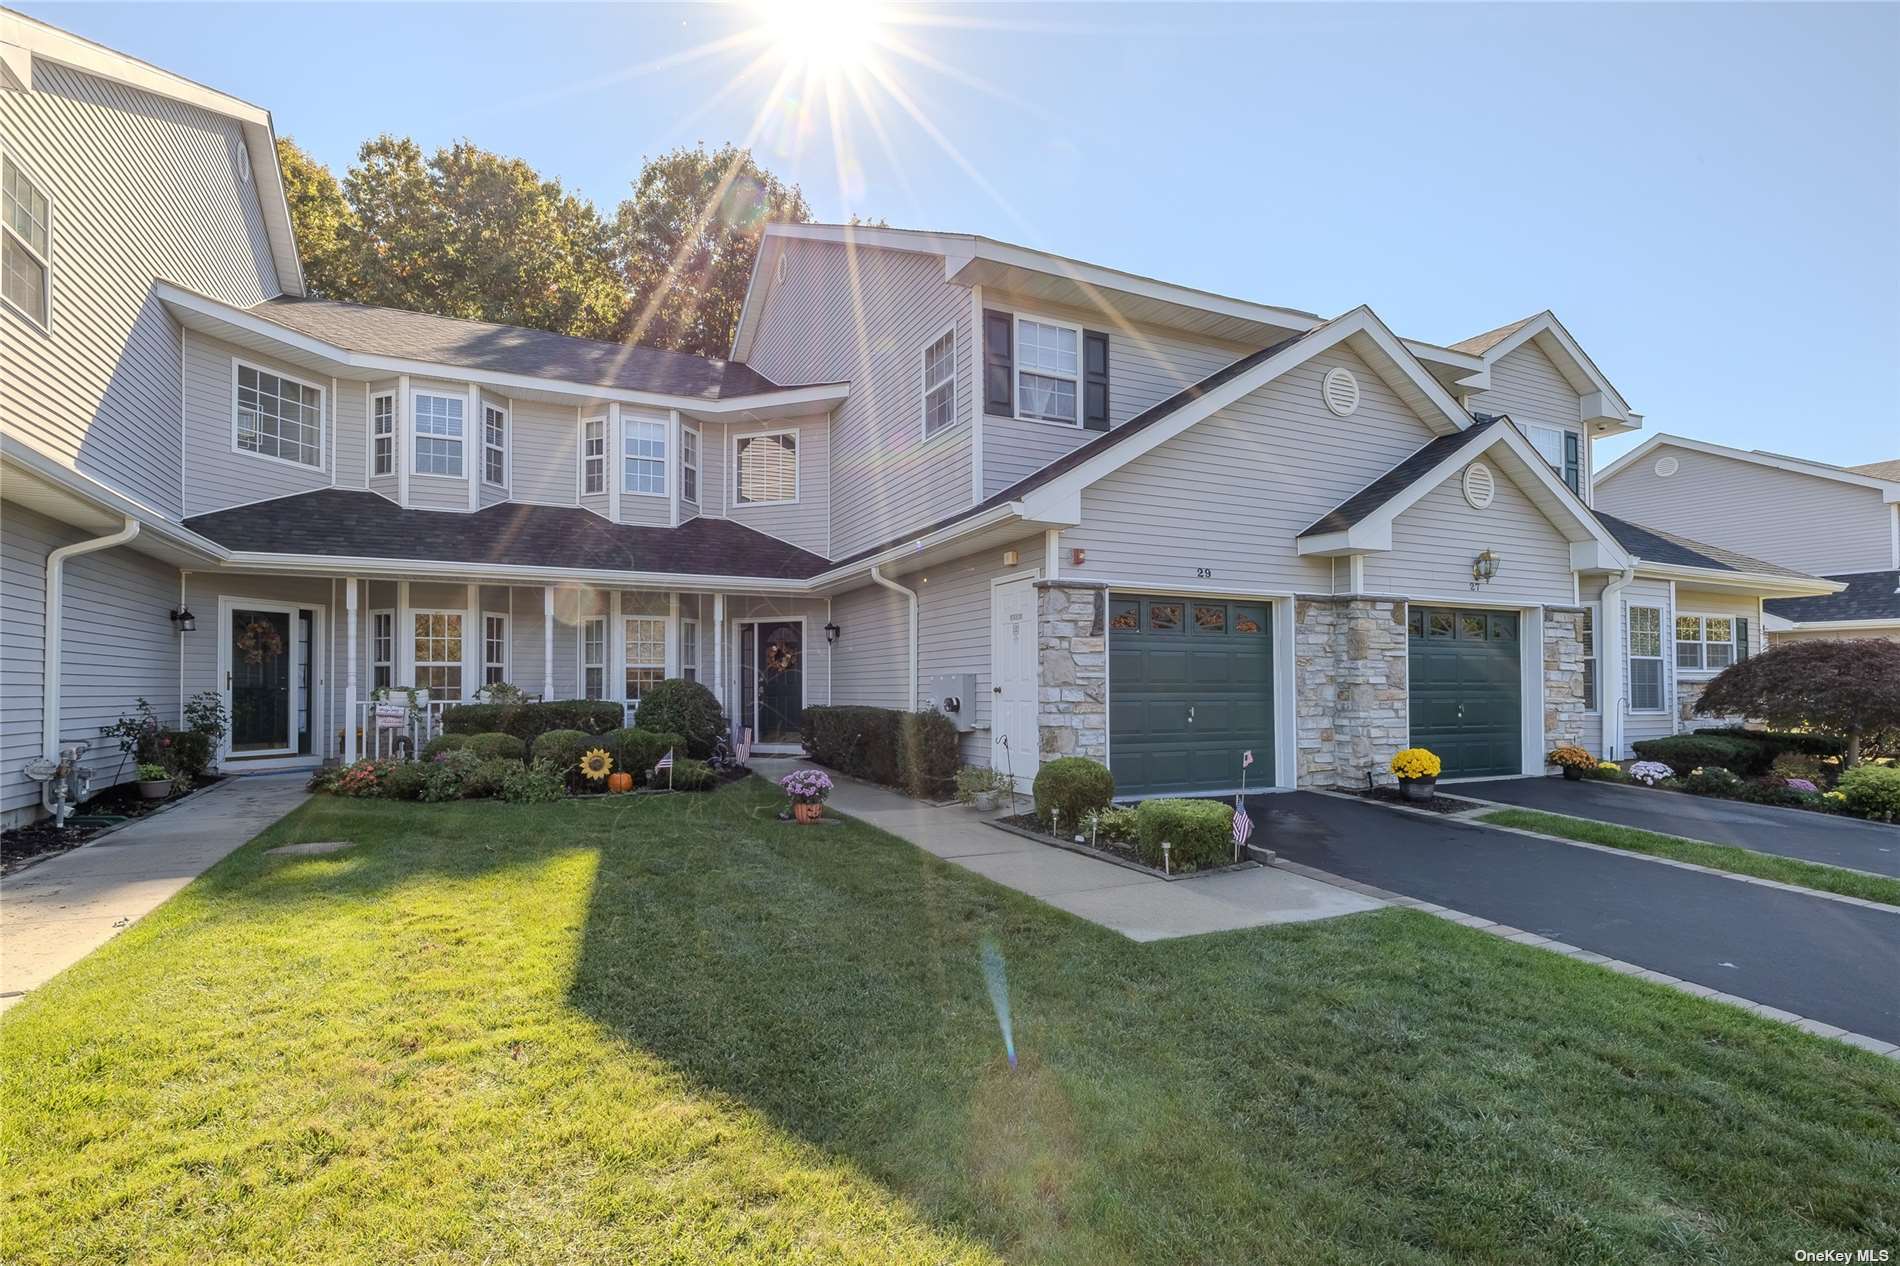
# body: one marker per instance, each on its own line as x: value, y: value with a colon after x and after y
x: 1203, y: 573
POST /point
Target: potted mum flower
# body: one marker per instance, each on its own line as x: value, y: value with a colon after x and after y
x: 808, y: 789
x: 1650, y: 772
x: 1572, y: 760
x: 1417, y: 770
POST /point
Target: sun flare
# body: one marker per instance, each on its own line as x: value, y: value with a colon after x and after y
x: 822, y: 36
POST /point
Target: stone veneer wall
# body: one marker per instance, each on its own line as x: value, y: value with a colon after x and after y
x: 1072, y: 644
x: 1563, y: 677
x: 1350, y: 664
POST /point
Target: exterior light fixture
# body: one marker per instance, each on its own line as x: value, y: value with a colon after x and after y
x: 831, y: 634
x: 1484, y: 568
x: 184, y: 621
x: 1011, y: 558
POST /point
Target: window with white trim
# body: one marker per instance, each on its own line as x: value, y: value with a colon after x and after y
x: 438, y: 645
x: 494, y: 446
x: 594, y: 659
x: 689, y: 465
x: 439, y: 434
x: 765, y: 468
x: 646, y: 655
x: 1587, y: 634
x: 593, y: 457
x: 277, y: 416
x: 494, y: 649
x: 26, y: 243
x: 644, y: 451
x: 689, y: 649
x: 940, y: 383
x: 382, y: 649
x: 1646, y: 659
x: 1048, y: 371
x: 1562, y: 448
x: 382, y: 432
x: 1708, y: 641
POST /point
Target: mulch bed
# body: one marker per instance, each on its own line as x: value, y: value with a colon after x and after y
x: 24, y: 845
x: 1437, y: 804
x: 1117, y: 851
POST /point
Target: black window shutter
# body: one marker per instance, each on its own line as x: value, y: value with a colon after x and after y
x: 1094, y: 380
x: 1741, y: 638
x: 1573, y: 468
x: 998, y: 363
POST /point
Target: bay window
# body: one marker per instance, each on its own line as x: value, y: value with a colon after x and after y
x: 645, y: 457
x: 1645, y: 659
x: 438, y: 434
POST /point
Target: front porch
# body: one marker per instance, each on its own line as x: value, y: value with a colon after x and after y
x: 301, y: 660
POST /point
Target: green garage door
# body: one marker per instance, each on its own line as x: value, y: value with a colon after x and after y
x: 1467, y: 689
x: 1190, y: 687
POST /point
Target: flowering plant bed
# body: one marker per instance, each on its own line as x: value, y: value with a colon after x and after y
x: 1104, y: 848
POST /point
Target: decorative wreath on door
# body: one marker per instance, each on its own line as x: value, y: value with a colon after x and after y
x: 780, y: 658
x: 260, y: 641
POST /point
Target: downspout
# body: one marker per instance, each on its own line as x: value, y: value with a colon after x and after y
x: 55, y: 608
x: 1610, y: 644
x: 911, y: 594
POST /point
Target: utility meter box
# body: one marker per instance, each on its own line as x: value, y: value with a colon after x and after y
x: 954, y: 695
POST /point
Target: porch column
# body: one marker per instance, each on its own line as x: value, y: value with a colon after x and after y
x: 719, y: 649
x: 547, y: 642
x: 673, y: 634
x: 616, y: 650
x: 405, y: 633
x: 472, y: 653
x: 349, y: 673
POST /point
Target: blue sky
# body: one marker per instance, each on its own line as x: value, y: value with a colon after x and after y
x: 1707, y: 195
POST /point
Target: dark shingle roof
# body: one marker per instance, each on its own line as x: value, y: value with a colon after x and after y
x: 1653, y: 545
x: 1870, y: 595
x: 511, y: 349
x: 1398, y: 479
x: 338, y: 523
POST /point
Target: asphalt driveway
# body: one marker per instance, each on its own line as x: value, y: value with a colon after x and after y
x: 1829, y: 960
x: 1813, y: 837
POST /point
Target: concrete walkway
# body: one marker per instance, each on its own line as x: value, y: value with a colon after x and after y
x: 1138, y: 906
x: 56, y: 912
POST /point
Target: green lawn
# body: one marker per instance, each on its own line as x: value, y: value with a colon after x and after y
x: 1741, y: 861
x: 674, y: 1030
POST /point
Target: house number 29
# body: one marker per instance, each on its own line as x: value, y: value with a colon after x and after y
x: 1203, y: 573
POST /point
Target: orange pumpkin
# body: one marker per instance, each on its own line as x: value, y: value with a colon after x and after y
x: 619, y: 781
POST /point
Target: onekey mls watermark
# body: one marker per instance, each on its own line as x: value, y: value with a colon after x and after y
x: 1843, y: 1255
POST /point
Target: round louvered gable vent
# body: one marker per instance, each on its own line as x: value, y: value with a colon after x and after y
x: 1667, y: 466
x: 1480, y: 485
x: 1340, y: 390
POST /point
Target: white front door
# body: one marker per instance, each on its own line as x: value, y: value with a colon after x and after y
x: 1014, y: 678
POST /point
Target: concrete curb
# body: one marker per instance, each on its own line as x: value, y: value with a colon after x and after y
x: 1818, y: 1028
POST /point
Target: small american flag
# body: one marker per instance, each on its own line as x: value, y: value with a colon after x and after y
x: 1243, y: 828
x: 745, y: 744
x: 666, y: 761
x: 1246, y: 758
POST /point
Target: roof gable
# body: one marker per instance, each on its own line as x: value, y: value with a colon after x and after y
x: 1602, y: 406
x: 1857, y: 477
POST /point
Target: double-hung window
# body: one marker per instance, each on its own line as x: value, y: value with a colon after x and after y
x: 765, y: 468
x: 382, y: 649
x: 494, y: 446
x: 689, y: 465
x: 593, y: 457
x: 382, y: 434
x: 278, y: 416
x: 438, y: 643
x: 646, y: 655
x: 940, y: 383
x: 594, y: 659
x: 689, y: 649
x: 645, y: 457
x: 26, y: 244
x: 1048, y: 371
x: 439, y: 434
x: 494, y: 649
x: 1587, y: 634
x: 1646, y: 659
x: 1710, y: 642
x: 1563, y: 449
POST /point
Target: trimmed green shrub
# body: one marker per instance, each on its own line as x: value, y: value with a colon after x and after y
x: 538, y: 782
x: 637, y: 751
x: 496, y: 746
x: 1872, y: 791
x: 1797, y: 765
x: 685, y: 708
x: 563, y: 750
x: 529, y: 721
x: 443, y: 775
x: 691, y: 775
x: 405, y: 780
x: 1073, y: 786
x: 186, y: 751
x: 1801, y: 742
x: 916, y: 751
x: 1199, y: 833
x: 443, y: 743
x: 489, y: 777
x: 1711, y: 780
x: 1774, y: 791
x: 1687, y: 752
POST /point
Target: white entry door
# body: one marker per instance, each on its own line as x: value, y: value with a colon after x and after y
x: 1013, y: 678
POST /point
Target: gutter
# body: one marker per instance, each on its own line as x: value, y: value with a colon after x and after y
x: 879, y: 577
x: 55, y: 604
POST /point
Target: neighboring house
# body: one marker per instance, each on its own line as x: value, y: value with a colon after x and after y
x: 1107, y: 514
x: 1840, y: 522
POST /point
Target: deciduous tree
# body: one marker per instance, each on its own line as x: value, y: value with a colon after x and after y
x: 1851, y: 688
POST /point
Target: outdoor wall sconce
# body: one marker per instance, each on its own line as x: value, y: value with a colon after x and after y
x: 1011, y: 558
x: 831, y: 634
x: 1078, y: 556
x: 184, y: 621
x: 1484, y: 568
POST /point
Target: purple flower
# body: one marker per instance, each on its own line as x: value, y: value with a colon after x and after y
x: 1801, y: 784
x: 806, y: 786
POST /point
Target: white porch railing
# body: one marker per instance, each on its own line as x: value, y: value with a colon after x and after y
x: 379, y: 742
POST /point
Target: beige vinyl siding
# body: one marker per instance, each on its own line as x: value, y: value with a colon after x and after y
x: 715, y: 452
x: 820, y: 680
x: 141, y: 187
x: 807, y: 522
x: 119, y: 644
x: 544, y: 449
x: 217, y: 473
x: 1528, y: 386
x: 1642, y: 725
x: 1434, y: 541
x: 954, y: 627
x: 349, y: 427
x: 1711, y: 602
x: 873, y: 648
x: 1233, y: 492
x: 866, y: 316
x: 1146, y: 365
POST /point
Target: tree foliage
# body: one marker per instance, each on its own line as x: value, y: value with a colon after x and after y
x: 1851, y: 688
x: 322, y: 221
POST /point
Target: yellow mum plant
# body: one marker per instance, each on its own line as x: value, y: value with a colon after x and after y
x: 1416, y: 762
x: 596, y: 765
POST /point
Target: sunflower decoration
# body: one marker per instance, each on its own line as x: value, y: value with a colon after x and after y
x: 596, y: 765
